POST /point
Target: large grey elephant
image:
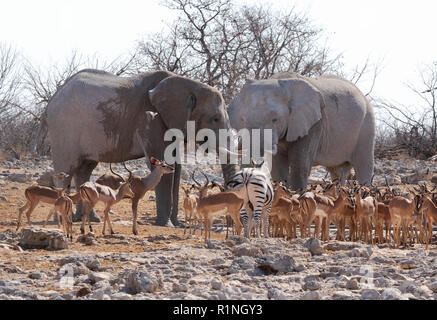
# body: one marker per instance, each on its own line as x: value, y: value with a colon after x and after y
x: 95, y: 115
x: 315, y: 121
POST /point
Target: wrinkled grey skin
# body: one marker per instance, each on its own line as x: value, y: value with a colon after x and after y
x: 93, y: 118
x: 323, y: 121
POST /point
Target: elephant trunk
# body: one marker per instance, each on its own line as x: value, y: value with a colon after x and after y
x: 175, y: 195
x: 229, y: 170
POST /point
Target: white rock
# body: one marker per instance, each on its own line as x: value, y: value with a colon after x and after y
x: 38, y: 238
x: 216, y: 284
x: 100, y: 276
x: 121, y: 296
x: 276, y: 294
x: 311, y: 295
x: 140, y: 282
x: 314, y: 246
x: 433, y: 286
x: 370, y: 294
x: 180, y: 287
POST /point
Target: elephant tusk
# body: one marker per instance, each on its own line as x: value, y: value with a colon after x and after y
x: 274, y: 150
x: 226, y: 151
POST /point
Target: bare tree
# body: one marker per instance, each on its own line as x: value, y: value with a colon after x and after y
x: 9, y: 81
x: 415, y: 127
x: 222, y: 44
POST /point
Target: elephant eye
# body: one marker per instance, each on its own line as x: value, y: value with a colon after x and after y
x: 275, y: 120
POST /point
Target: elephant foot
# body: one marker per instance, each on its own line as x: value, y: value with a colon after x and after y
x: 163, y: 223
x: 177, y: 224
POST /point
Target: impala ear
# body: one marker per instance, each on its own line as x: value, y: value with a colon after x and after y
x: 154, y: 161
x: 305, y: 104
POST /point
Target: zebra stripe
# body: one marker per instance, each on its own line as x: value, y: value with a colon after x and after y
x: 259, y: 195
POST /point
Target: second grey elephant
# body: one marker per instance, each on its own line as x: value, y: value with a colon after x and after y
x: 315, y: 121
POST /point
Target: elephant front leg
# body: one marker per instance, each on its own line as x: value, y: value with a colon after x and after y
x: 280, y: 167
x: 300, y: 161
x: 175, y: 191
x: 163, y: 200
x: 81, y: 175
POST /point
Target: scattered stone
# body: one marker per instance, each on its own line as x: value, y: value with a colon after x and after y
x: 121, y: 296
x: 214, y: 244
x: 342, y: 295
x: 391, y: 294
x: 408, y: 264
x: 180, y: 287
x: 340, y: 246
x: 361, y: 252
x: 216, y: 284
x: 433, y: 286
x: 82, y: 292
x: 312, y: 285
x: 247, y: 249
x: 35, y: 275
x: 99, y: 276
x: 138, y: 281
x: 11, y: 247
x: 278, y: 263
x: 242, y: 263
x: 275, y: 294
x: 370, y: 294
x: 38, y: 238
x: 88, y: 239
x: 20, y: 177
x: 311, y: 295
x: 93, y: 264
x: 238, y: 240
x: 352, y: 284
x: 314, y: 246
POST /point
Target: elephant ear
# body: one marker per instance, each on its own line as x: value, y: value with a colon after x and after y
x: 305, y: 104
x: 174, y: 98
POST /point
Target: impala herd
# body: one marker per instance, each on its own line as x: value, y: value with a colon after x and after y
x: 371, y: 214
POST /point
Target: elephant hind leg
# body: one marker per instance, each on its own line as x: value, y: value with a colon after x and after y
x: 341, y: 172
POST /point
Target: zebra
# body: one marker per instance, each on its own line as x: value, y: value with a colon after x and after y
x: 259, y: 196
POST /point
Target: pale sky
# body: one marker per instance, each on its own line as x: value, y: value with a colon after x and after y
x: 401, y: 33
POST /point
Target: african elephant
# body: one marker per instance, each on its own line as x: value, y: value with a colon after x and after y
x: 95, y: 115
x: 315, y: 121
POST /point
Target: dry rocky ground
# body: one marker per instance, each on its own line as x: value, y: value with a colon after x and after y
x: 165, y: 263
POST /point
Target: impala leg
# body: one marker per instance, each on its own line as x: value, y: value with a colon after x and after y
x: 135, y: 216
x: 58, y: 218
x: 29, y: 212
x: 109, y: 221
x: 20, y: 212
x: 52, y: 210
x: 82, y: 226
x: 205, y: 223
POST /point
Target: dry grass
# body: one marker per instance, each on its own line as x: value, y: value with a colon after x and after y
x: 121, y: 219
